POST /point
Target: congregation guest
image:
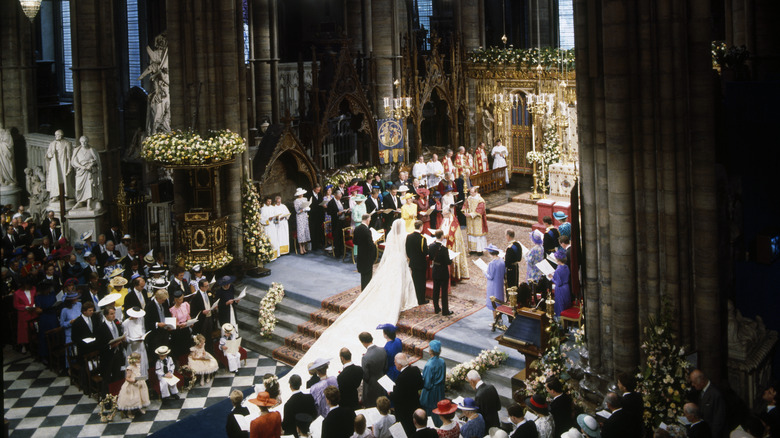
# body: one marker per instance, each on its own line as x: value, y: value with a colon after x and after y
x: 354, y: 188
x: 475, y: 426
x: 435, y: 171
x: 164, y: 368
x: 476, y: 221
x: 589, y: 426
x: 232, y: 426
x: 393, y: 346
x: 134, y: 328
x: 710, y: 402
x: 367, y: 185
x: 441, y: 273
x: 202, y: 363
x: 404, y: 180
x: 486, y: 398
x: 405, y: 395
x: 409, y: 212
x: 560, y: 279
x: 201, y: 305
x: 313, y: 376
x: 136, y: 297
x: 513, y: 256
x: 317, y: 218
x: 494, y: 274
x: 134, y: 394
x: 112, y: 356
x: 302, y: 220
x: 534, y: 256
x: 632, y: 400
x: 282, y: 214
x: 267, y: 216
x: 114, y: 234
x: 521, y: 427
x: 770, y: 414
x: 92, y: 296
x: 499, y: 153
x: 226, y: 294
x: 46, y: 308
x: 434, y: 373
x: 178, y: 283
x: 561, y: 407
x: 564, y: 229
x: 181, y: 335
x: 70, y: 310
x: 303, y: 424
x: 551, y: 234
x: 381, y: 427
x: 544, y: 422
x: 392, y: 203
x: 85, y: 330
x: 361, y: 431
x: 298, y: 403
x: 619, y: 423
x: 447, y: 185
x: 447, y: 164
x: 233, y: 359
x: 417, y: 252
x: 123, y: 246
x: 373, y: 206
x: 420, y: 169
x: 320, y: 366
x: 480, y: 159
x: 195, y: 278
x: 449, y: 428
x: 268, y: 424
x: 365, y: 250
x: 155, y: 321
x: 349, y: 380
x: 421, y: 429
x: 339, y: 421
x: 337, y: 214
x: 117, y: 286
x: 374, y: 366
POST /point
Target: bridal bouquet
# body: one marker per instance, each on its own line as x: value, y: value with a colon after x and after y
x: 267, y: 318
x: 487, y: 359
x: 189, y: 148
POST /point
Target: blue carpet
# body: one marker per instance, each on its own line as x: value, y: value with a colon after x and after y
x: 210, y: 422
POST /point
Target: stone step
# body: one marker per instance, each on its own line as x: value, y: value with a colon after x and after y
x: 510, y: 220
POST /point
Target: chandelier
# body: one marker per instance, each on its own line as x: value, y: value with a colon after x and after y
x: 30, y: 8
x: 506, y: 102
x: 398, y: 107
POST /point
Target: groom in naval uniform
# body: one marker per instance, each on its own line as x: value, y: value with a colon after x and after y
x: 366, y: 251
x: 417, y: 253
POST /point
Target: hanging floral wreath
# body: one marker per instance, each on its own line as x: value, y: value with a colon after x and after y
x: 487, y: 359
x: 189, y: 377
x: 188, y: 148
x: 267, y: 318
x: 107, y: 408
x: 257, y: 245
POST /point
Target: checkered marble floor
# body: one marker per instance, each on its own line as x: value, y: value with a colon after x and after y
x: 38, y: 403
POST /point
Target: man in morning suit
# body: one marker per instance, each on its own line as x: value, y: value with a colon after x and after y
x: 340, y: 420
x: 136, y: 296
x: 156, y: 312
x: 522, y: 427
x: 619, y: 424
x: 698, y: 427
x: 561, y: 406
x: 486, y: 398
x: 406, y: 393
x: 440, y: 257
x: 316, y: 219
x: 374, y: 203
x: 200, y: 304
x: 420, y: 418
x: 349, y: 380
x: 514, y: 254
x: 84, y: 328
x: 366, y: 251
x: 711, y: 403
x: 632, y: 400
x: 298, y: 403
x: 111, y: 357
x: 336, y: 211
x: 374, y: 364
x: 391, y: 202
x: 417, y: 252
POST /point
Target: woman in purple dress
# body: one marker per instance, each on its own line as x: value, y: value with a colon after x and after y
x: 495, y: 277
x: 560, y: 280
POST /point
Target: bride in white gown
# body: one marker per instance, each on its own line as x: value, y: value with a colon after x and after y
x: 390, y: 292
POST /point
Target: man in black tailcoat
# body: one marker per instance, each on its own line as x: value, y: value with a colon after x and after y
x: 441, y: 273
x: 417, y: 252
x: 366, y: 251
x: 337, y: 213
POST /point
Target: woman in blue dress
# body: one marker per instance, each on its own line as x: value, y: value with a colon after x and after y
x: 560, y: 280
x: 46, y: 301
x: 495, y: 277
x: 393, y: 346
x: 71, y: 309
x: 534, y: 256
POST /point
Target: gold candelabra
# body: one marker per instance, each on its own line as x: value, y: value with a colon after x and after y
x: 398, y: 107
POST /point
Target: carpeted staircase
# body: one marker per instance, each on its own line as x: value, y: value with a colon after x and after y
x: 521, y: 211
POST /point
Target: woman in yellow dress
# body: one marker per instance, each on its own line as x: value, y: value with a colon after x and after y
x: 409, y: 212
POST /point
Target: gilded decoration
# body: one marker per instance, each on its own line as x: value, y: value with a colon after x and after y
x: 289, y: 143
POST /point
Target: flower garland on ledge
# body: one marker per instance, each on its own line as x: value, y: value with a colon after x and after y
x: 257, y: 245
x: 189, y: 148
x: 348, y: 175
x: 212, y: 265
x: 487, y: 359
x: 547, y: 57
x: 267, y: 318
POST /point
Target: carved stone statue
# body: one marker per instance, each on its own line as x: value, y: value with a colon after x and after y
x: 58, y: 157
x: 36, y: 187
x: 158, y: 117
x: 86, y: 163
x: 7, y: 170
x: 743, y: 333
x: 487, y: 124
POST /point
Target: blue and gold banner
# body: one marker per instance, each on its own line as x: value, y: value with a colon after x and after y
x: 391, y: 140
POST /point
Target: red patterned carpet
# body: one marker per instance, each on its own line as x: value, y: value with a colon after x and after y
x: 416, y: 327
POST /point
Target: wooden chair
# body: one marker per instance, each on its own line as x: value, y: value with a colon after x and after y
x: 55, y: 341
x: 380, y: 248
x: 573, y: 315
x: 75, y: 366
x: 94, y: 382
x: 328, y: 237
x: 348, y: 244
x: 33, y: 339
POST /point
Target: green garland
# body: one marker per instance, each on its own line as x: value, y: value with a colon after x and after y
x: 189, y: 148
x: 257, y: 245
x: 548, y: 57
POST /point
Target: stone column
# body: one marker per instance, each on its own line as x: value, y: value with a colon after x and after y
x: 17, y: 70
x: 353, y: 21
x: 383, y: 43
x: 469, y: 24
x: 261, y: 95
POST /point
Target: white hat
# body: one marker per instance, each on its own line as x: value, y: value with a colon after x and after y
x: 571, y: 433
x: 299, y: 191
x: 136, y: 312
x: 320, y: 362
x: 126, y: 236
x: 86, y: 235
x: 227, y: 327
x: 197, y: 268
x: 109, y: 299
x: 161, y: 350
x: 403, y: 188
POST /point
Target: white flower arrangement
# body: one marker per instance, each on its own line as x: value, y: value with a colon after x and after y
x: 257, y: 245
x: 487, y: 359
x: 188, y: 148
x: 267, y: 318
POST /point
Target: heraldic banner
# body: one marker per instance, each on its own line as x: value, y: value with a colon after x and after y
x: 391, y: 140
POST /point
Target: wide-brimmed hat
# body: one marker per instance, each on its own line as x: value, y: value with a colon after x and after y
x: 468, y: 404
x: 559, y: 215
x: 136, y: 312
x: 407, y: 196
x: 118, y: 281
x: 227, y: 327
x: 117, y: 272
x: 299, y: 191
x: 156, y: 270
x: 318, y: 363
x: 537, y: 237
x: 538, y: 404
x: 403, y: 188
x: 162, y: 350
x: 71, y: 281
x: 423, y: 192
x: 126, y: 237
x: 497, y: 432
x: 86, y: 235
x: 149, y: 257
x: 492, y: 249
x: 359, y: 197
x: 72, y: 296
x: 571, y: 433
x: 444, y: 407
x: 589, y: 425
x: 388, y: 327
x: 159, y: 283
x: 109, y: 299
x: 227, y: 279
x: 263, y: 399
x: 197, y: 268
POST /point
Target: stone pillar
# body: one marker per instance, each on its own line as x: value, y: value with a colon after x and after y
x: 383, y: 43
x: 353, y: 21
x: 17, y: 70
x: 647, y: 160
x: 469, y: 24
x: 260, y: 64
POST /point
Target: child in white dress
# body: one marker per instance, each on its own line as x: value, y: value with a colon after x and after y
x: 202, y: 363
x: 134, y: 393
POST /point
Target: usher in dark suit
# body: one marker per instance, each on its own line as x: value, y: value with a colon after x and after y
x: 525, y: 430
x: 374, y: 364
x: 406, y: 397
x: 417, y: 252
x: 366, y: 253
x: 349, y: 380
x: 489, y: 404
x: 441, y: 275
x: 299, y: 403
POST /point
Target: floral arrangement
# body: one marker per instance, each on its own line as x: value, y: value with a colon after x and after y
x: 732, y: 57
x: 179, y: 147
x: 347, y: 175
x: 267, y: 318
x: 107, y: 407
x: 553, y: 362
x: 547, y: 57
x: 487, y: 359
x: 662, y: 379
x: 212, y: 265
x: 189, y: 377
x: 550, y: 154
x: 257, y: 245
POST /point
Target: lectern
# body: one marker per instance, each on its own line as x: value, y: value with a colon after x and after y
x: 527, y: 334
